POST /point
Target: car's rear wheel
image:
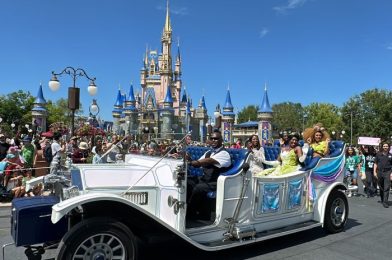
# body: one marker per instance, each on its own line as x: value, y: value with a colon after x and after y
x: 99, y: 238
x: 336, y: 212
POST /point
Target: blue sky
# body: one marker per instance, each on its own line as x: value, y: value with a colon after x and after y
x: 305, y: 50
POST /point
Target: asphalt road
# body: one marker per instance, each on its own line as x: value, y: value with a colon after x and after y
x: 368, y: 235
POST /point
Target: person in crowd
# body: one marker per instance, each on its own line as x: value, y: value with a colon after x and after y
x: 72, y: 143
x: 14, y: 184
x: 28, y: 152
x: 213, y: 162
x: 97, y: 158
x: 22, y: 179
x: 362, y: 174
x: 40, y: 163
x: 382, y: 171
x: 58, y: 147
x: 80, y: 153
x: 238, y: 144
x: 4, y: 146
x: 13, y: 163
x: 256, y: 163
x: 115, y: 148
x: 288, y: 160
x: 352, y: 168
x: 371, y: 182
x: 318, y: 138
x: 98, y: 142
x: 284, y: 141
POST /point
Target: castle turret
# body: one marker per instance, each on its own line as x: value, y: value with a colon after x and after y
x: 39, y: 112
x: 228, y: 117
x: 117, y: 111
x: 265, y: 116
x: 183, y: 103
x: 202, y: 118
x: 131, y: 112
x: 167, y: 115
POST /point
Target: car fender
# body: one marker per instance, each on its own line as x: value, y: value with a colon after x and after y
x: 319, y: 211
x: 60, y: 209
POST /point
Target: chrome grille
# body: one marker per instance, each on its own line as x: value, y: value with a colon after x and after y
x: 140, y: 198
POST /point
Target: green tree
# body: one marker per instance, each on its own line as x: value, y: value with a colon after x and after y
x: 370, y: 114
x: 16, y: 108
x: 325, y: 113
x: 248, y: 113
x: 288, y: 115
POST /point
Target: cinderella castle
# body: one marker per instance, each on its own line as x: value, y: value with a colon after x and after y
x: 163, y: 109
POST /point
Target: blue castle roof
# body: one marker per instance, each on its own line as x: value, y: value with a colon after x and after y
x: 265, y: 105
x: 38, y: 108
x: 203, y: 103
x: 40, y: 96
x: 118, y: 100
x: 168, y: 98
x: 248, y: 124
x: 131, y: 95
x: 184, y: 98
x: 228, y: 104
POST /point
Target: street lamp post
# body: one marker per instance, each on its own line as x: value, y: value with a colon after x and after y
x: 94, y: 111
x: 351, y: 127
x: 74, y: 91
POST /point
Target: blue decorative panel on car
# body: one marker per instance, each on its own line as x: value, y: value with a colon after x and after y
x: 295, y: 193
x: 270, y: 201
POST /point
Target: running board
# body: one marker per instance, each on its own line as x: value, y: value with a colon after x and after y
x: 264, y: 235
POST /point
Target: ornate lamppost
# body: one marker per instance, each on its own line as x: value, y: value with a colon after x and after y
x: 94, y: 111
x: 74, y: 91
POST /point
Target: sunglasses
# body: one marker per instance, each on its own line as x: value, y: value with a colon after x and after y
x: 215, y: 138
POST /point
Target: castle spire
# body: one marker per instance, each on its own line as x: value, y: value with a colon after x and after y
x: 168, y: 98
x: 228, y: 104
x: 167, y: 21
x: 40, y: 96
x: 265, y: 105
x: 131, y: 95
x: 178, y: 50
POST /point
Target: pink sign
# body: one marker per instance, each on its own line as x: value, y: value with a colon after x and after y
x: 369, y: 140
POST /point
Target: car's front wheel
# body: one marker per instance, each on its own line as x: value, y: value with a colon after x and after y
x: 336, y: 212
x: 99, y: 238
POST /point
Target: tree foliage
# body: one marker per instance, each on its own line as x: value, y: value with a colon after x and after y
x: 325, y: 113
x: 248, y: 113
x: 371, y: 113
x: 58, y: 111
x: 16, y: 108
x: 288, y: 115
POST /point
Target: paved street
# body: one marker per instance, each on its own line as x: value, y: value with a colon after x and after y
x: 367, y: 236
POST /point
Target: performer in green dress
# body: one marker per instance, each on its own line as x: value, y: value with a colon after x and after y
x: 288, y: 160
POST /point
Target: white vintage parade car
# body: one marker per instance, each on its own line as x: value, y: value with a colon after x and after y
x: 108, y: 210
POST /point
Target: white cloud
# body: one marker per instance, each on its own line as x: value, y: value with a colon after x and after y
x: 291, y: 4
x: 263, y: 32
x: 175, y: 11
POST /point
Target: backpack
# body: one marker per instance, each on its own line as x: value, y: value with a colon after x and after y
x: 48, y: 153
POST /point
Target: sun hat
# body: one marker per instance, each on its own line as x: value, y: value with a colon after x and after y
x: 83, y: 146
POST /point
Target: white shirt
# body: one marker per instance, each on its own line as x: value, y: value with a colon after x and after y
x: 223, y: 158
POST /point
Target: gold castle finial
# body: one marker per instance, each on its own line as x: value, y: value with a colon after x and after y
x: 167, y: 22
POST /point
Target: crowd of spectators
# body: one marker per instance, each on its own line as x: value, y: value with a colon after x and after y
x: 23, y: 157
